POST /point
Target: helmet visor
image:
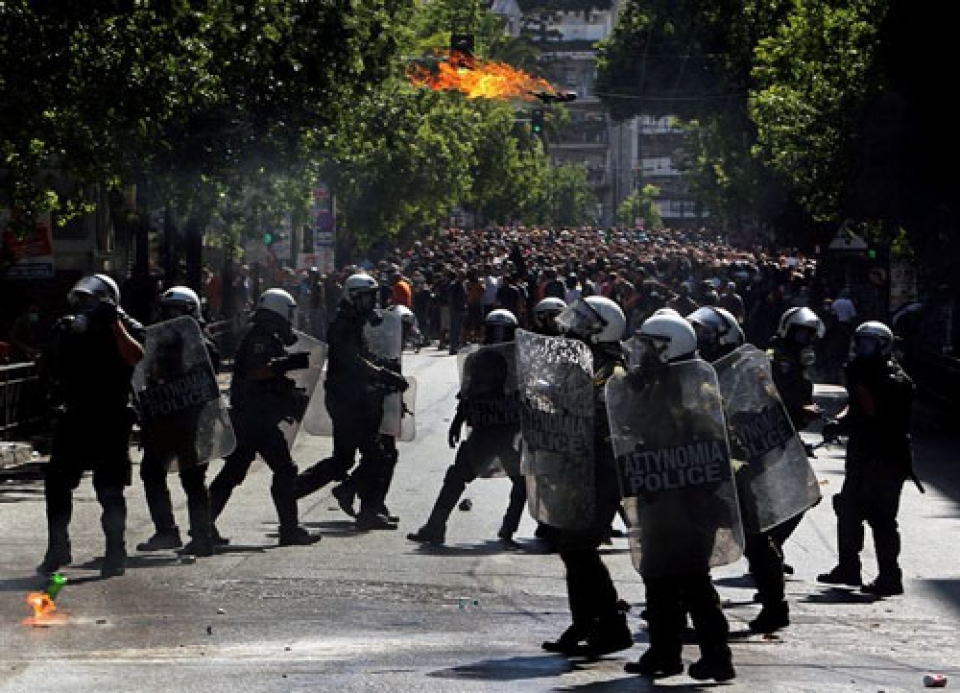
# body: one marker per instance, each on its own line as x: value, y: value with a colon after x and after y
x: 579, y: 319
x: 867, y: 346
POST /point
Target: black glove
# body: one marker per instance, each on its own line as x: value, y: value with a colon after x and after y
x: 105, y: 313
x: 297, y: 361
x: 832, y: 430
x: 394, y: 380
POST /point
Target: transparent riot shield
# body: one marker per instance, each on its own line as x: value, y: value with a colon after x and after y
x: 175, y: 389
x: 305, y: 383
x: 555, y: 383
x: 399, y: 413
x: 673, y: 458
x: 383, y: 345
x: 383, y: 337
x: 490, y: 405
x: 775, y: 480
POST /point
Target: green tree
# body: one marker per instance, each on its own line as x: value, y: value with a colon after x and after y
x: 813, y: 79
x: 692, y: 59
x: 641, y: 204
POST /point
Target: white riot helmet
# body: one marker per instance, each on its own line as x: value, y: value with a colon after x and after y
x: 666, y: 311
x: 718, y: 332
x: 499, y: 326
x: 800, y: 325
x: 663, y: 339
x: 406, y: 315
x: 180, y: 300
x: 872, y: 339
x: 93, y: 288
x: 279, y: 302
x: 545, y: 314
x: 360, y: 291
x: 595, y: 319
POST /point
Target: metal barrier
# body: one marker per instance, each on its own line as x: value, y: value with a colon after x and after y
x: 21, y: 398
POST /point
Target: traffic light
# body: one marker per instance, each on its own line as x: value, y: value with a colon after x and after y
x: 268, y: 238
x: 536, y: 121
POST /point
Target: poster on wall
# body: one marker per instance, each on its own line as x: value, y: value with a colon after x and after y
x: 31, y: 254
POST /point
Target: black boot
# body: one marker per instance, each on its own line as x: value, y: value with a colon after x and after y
x: 772, y: 617
x: 716, y: 664
x: 345, y: 496
x: 426, y: 535
x: 884, y: 586
x: 842, y: 576
x: 297, y: 536
x: 571, y: 642
x: 113, y: 520
x: 58, y: 555
x: 655, y: 664
x: 162, y: 541
x: 610, y: 635
x: 59, y: 511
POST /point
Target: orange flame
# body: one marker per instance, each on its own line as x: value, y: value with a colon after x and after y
x: 43, y: 608
x: 480, y: 79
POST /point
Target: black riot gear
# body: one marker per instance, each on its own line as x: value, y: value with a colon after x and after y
x: 262, y: 396
x: 89, y: 361
x: 356, y: 385
x: 879, y: 459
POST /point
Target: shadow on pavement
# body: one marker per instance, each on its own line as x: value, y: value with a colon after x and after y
x: 948, y: 590
x: 834, y: 595
x: 30, y: 583
x: 635, y: 684
x: 510, y: 669
x: 744, y: 581
x: 937, y: 463
x: 487, y: 548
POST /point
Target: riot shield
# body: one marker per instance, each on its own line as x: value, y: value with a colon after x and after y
x: 490, y: 406
x: 175, y: 389
x: 775, y: 480
x: 383, y: 345
x: 396, y: 422
x: 382, y: 338
x: 670, y: 440
x: 305, y: 381
x: 399, y: 413
x: 555, y: 383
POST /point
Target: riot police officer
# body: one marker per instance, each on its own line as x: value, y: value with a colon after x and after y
x: 166, y: 439
x: 261, y: 397
x: 793, y: 354
x: 678, y: 530
x: 493, y: 413
x: 879, y: 459
x: 354, y: 391
x: 90, y: 359
x: 599, y: 623
x: 371, y: 479
x: 545, y: 315
x: 719, y: 335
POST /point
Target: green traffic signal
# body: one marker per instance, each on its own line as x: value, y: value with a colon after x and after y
x: 536, y: 121
x: 268, y: 238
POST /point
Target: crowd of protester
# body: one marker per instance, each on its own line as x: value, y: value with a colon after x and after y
x: 454, y: 278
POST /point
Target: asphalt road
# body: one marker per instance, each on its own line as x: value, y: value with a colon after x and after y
x: 373, y: 612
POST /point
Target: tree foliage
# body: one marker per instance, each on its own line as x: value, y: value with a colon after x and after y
x: 641, y: 204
